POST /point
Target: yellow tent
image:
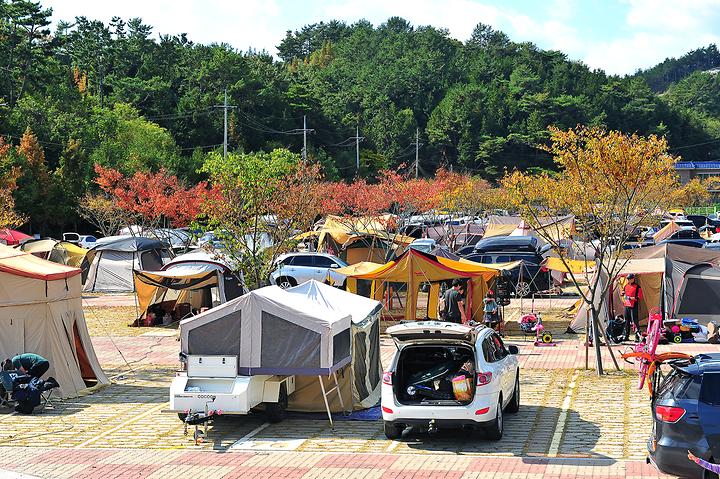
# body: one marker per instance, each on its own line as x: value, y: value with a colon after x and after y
x: 61, y: 252
x: 575, y: 266
x: 414, y: 268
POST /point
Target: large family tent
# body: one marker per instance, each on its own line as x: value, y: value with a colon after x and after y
x: 414, y: 268
x: 12, y: 237
x: 359, y: 381
x: 61, y: 252
x: 271, y: 332
x: 114, y: 258
x: 41, y: 312
x: 671, y: 277
x: 199, y: 279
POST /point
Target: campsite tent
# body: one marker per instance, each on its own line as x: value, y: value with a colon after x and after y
x: 12, y: 237
x: 198, y: 279
x: 271, y: 332
x: 61, y: 252
x: 415, y: 267
x: 671, y: 270
x: 360, y: 380
x: 41, y: 312
x: 557, y: 227
x: 114, y: 258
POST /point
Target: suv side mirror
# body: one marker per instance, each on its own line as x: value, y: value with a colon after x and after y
x: 512, y: 349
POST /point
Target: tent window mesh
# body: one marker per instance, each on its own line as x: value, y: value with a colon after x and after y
x: 341, y: 346
x: 220, y: 337
x: 360, y: 365
x: 287, y: 345
x: 701, y: 296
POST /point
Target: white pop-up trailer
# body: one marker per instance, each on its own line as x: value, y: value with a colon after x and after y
x: 248, y: 351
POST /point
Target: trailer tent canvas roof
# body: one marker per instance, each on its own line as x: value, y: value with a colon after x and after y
x: 271, y: 331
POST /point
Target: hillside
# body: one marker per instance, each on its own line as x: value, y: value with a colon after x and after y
x: 113, y: 94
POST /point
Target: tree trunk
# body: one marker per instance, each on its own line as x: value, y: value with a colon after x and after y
x: 596, y: 342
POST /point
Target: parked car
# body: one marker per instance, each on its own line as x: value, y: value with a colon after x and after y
x: 418, y: 390
x: 426, y: 245
x: 686, y: 417
x: 87, y: 241
x: 698, y: 220
x: 527, y: 278
x: 296, y: 268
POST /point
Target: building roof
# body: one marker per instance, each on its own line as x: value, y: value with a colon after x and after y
x: 697, y: 165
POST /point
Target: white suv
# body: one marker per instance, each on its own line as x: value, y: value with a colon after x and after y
x: 296, y: 268
x: 419, y: 388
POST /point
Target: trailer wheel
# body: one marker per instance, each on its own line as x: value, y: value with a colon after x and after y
x: 276, y: 410
x: 182, y: 416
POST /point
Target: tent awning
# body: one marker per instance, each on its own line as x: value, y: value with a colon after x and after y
x: 575, y: 266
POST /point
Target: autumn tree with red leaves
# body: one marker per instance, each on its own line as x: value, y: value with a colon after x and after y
x: 146, y: 199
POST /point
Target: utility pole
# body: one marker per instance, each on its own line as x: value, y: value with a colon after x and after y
x: 417, y: 150
x: 225, y: 108
x: 305, y: 131
x: 357, y: 139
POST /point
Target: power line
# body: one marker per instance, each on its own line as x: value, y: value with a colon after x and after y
x: 694, y: 145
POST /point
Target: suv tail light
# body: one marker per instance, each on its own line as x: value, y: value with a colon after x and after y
x: 484, y: 378
x: 669, y: 413
x: 387, y: 378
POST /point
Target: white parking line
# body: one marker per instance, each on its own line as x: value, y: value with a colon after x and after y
x: 562, y: 419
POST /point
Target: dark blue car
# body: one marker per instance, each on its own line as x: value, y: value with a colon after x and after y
x: 686, y: 411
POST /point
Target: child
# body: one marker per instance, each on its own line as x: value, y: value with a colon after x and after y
x: 490, y: 310
x: 704, y: 464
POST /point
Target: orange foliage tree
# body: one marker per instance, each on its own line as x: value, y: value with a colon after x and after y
x: 612, y: 183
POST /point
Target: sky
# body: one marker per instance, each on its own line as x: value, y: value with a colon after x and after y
x: 618, y: 36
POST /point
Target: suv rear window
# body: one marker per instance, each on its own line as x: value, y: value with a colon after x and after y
x: 710, y: 391
x: 679, y: 386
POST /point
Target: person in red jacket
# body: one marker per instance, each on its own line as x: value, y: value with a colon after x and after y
x: 631, y: 296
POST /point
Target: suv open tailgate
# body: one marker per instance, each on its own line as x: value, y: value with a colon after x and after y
x: 420, y: 330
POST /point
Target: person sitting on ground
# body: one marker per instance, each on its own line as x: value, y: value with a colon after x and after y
x: 455, y: 303
x: 31, y: 364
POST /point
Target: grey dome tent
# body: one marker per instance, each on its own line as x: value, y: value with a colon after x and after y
x: 114, y: 258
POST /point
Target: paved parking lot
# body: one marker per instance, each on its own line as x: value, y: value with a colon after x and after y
x: 571, y: 424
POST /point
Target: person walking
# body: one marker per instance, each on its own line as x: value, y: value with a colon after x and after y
x: 31, y: 364
x: 631, y: 296
x: 455, y: 303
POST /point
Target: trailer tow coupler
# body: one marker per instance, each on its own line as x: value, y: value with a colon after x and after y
x: 199, y: 418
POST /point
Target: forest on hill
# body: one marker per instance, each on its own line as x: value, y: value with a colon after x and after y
x: 124, y: 96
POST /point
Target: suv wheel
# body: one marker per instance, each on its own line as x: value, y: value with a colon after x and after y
x: 514, y: 405
x: 495, y: 431
x: 522, y: 289
x: 286, y: 282
x: 392, y: 430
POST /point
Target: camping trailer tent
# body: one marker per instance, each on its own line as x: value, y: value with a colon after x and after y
x: 114, y: 258
x: 41, y: 312
x: 360, y: 381
x: 197, y: 279
x: 271, y: 332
